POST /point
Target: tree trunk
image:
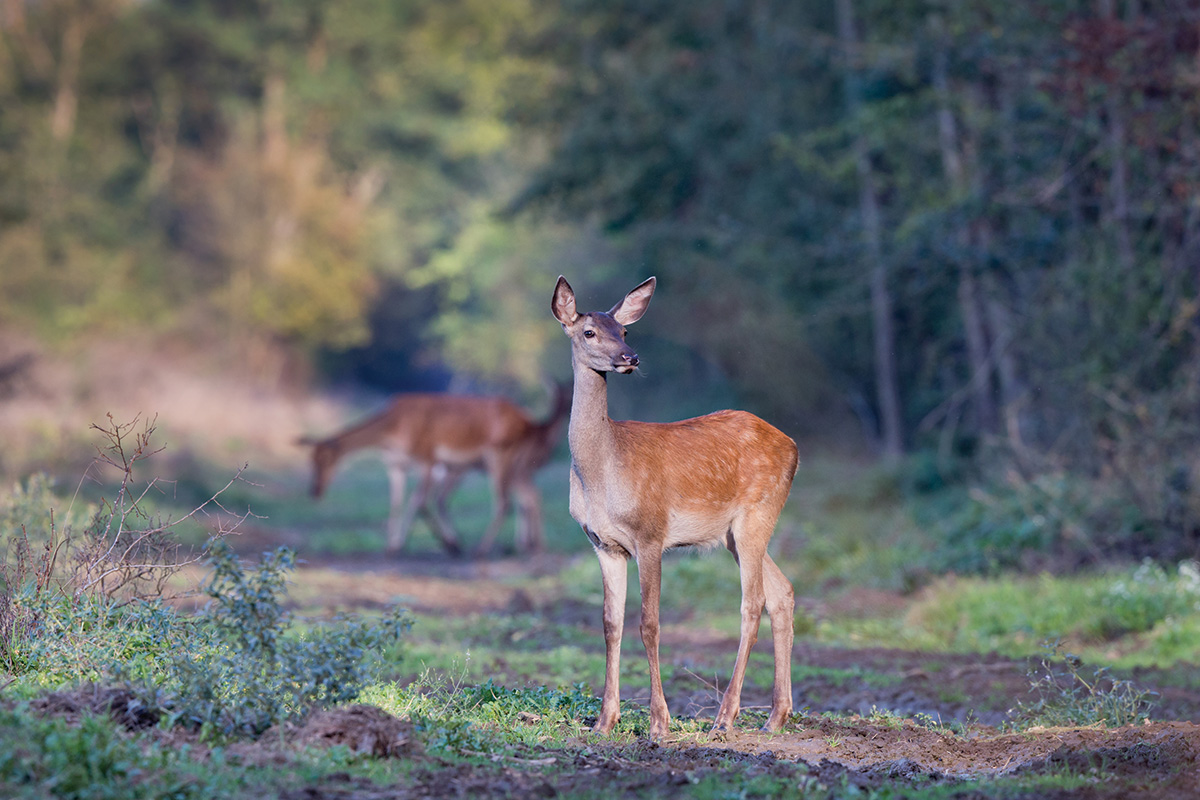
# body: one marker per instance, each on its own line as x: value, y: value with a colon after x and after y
x: 970, y: 306
x: 886, y: 383
x: 1119, y: 176
x: 66, y: 92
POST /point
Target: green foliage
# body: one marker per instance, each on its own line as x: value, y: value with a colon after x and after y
x: 1018, y: 525
x: 245, y: 672
x: 90, y: 760
x: 1066, y: 697
x: 1147, y: 597
x: 69, y: 639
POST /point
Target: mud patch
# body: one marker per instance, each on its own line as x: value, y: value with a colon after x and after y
x: 120, y: 704
x: 365, y: 729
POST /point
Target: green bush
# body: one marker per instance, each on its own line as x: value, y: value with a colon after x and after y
x: 78, y: 638
x: 1016, y: 525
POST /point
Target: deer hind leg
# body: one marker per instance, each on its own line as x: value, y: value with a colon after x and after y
x: 613, y: 573
x: 748, y: 544
x: 650, y: 577
x: 781, y: 605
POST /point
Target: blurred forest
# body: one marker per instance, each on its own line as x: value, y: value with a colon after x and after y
x: 963, y: 236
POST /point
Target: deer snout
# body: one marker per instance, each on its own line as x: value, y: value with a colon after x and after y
x: 626, y: 362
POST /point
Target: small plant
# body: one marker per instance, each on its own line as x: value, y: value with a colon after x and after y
x: 1067, y: 697
x: 885, y: 716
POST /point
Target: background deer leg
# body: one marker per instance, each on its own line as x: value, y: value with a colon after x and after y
x: 399, y: 515
x: 529, y: 517
x: 650, y: 578
x: 445, y: 479
x: 613, y: 573
x: 749, y: 553
x: 416, y: 503
x: 781, y: 605
x: 500, y: 504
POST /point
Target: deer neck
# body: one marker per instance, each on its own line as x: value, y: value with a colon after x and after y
x: 366, y: 434
x: 590, y: 431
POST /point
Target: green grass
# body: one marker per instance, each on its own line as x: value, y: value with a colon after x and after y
x: 1133, y: 617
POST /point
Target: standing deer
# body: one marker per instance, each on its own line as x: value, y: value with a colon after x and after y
x: 639, y: 488
x: 441, y: 437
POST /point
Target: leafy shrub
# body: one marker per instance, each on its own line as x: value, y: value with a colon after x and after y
x: 1066, y: 697
x: 1053, y: 521
x: 244, y: 673
x: 66, y: 581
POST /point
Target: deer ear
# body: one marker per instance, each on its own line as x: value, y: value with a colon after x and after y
x: 630, y: 309
x: 563, y: 303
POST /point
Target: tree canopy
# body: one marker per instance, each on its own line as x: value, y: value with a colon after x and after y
x: 962, y: 227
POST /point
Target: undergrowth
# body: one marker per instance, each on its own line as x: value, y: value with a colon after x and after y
x: 89, y: 606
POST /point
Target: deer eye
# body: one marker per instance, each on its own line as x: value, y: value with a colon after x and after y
x: 589, y: 334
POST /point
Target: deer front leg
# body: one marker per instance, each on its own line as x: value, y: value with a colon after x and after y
x: 650, y: 577
x: 529, y: 518
x: 445, y: 479
x: 613, y: 574
x: 500, y: 487
x: 400, y: 516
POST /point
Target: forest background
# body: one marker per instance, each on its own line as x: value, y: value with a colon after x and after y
x: 961, y: 237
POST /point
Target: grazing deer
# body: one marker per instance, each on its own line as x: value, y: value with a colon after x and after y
x: 639, y: 488
x: 441, y: 437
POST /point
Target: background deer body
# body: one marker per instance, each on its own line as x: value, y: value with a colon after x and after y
x: 638, y: 488
x: 440, y: 437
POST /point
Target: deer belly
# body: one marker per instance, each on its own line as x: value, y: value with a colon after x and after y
x: 459, y: 458
x: 693, y: 529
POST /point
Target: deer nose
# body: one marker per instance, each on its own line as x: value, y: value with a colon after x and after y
x: 630, y: 358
